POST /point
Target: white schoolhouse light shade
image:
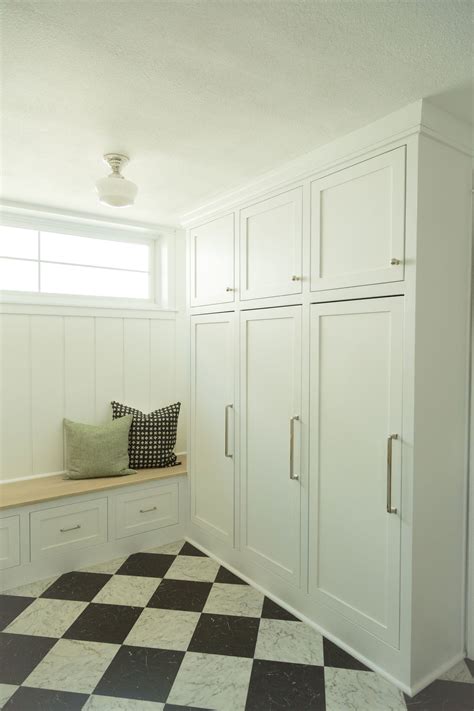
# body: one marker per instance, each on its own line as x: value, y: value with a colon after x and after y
x: 115, y: 190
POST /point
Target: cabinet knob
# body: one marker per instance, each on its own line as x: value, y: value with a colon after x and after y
x: 295, y: 278
x: 229, y: 288
x: 395, y: 262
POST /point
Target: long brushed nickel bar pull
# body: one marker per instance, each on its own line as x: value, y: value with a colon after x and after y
x: 153, y: 508
x: 226, y: 433
x: 292, y: 447
x: 73, y: 528
x: 390, y: 509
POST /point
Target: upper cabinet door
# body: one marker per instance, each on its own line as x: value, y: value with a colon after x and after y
x: 212, y: 262
x: 270, y: 246
x: 358, y: 224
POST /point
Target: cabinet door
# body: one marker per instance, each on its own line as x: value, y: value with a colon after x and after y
x: 270, y: 246
x: 358, y: 224
x: 271, y: 439
x: 356, y: 405
x: 212, y: 262
x: 212, y: 424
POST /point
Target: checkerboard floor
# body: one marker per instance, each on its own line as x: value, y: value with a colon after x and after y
x: 171, y: 629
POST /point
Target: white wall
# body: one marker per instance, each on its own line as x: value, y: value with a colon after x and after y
x: 55, y: 366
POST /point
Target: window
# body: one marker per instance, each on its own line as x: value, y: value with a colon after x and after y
x: 45, y: 262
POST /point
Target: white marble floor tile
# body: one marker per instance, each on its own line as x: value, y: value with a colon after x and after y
x: 32, y: 589
x: 47, y: 618
x: 189, y: 567
x: 167, y: 549
x: 212, y: 681
x: 112, y: 703
x: 240, y: 600
x: 349, y: 690
x: 109, y: 566
x: 163, y: 629
x: 460, y: 672
x: 285, y: 641
x: 73, y: 665
x: 132, y: 590
x: 6, y: 690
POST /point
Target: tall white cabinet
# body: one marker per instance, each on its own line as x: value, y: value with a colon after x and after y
x: 328, y: 384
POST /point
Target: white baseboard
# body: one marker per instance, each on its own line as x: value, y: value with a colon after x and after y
x: 432, y: 676
x: 306, y: 620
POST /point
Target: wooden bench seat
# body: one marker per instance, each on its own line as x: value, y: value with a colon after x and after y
x: 35, y: 491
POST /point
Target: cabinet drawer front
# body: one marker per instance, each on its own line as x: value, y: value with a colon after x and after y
x: 358, y: 224
x: 146, y: 510
x: 9, y: 542
x: 68, y: 527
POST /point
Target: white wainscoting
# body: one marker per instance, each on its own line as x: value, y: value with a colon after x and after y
x: 56, y: 365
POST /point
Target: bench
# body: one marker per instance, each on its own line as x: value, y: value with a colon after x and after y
x: 50, y: 525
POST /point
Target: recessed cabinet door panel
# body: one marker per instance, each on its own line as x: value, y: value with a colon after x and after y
x: 270, y: 399
x: 212, y: 262
x: 270, y: 247
x: 212, y: 424
x: 358, y: 224
x: 356, y: 404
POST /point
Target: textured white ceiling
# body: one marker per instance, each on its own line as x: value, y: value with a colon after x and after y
x: 205, y: 95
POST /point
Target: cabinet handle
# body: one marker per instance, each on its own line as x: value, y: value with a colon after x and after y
x: 229, y: 288
x: 295, y: 277
x: 390, y: 508
x: 153, y: 508
x: 226, y: 433
x: 292, y: 447
x: 395, y: 262
x: 73, y: 528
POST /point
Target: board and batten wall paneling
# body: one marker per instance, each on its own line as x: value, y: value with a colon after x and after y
x: 15, y: 395
x: 59, y: 366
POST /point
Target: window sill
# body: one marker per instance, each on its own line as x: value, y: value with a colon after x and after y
x: 80, y: 306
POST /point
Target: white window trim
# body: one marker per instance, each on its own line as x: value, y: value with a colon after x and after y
x: 75, y: 225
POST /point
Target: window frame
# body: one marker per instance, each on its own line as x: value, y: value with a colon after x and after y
x: 96, y: 229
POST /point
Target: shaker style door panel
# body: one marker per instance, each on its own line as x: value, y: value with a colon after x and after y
x: 271, y: 439
x: 271, y: 246
x: 212, y: 424
x: 212, y: 262
x: 358, y: 224
x: 356, y: 405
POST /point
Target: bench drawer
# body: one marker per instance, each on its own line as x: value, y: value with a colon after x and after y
x: 9, y: 542
x: 146, y: 510
x: 65, y: 528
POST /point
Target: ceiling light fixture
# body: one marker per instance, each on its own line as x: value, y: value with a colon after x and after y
x: 115, y: 190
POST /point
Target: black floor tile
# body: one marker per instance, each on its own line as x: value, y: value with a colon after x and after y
x: 470, y: 665
x: 173, y: 707
x: 11, y: 606
x: 334, y: 656
x: 77, y: 586
x: 149, y: 565
x: 272, y: 611
x: 104, y: 623
x: 443, y: 696
x: 28, y: 699
x: 20, y: 654
x: 189, y: 549
x: 225, y: 634
x: 225, y: 576
x: 141, y: 673
x: 278, y: 685
x: 180, y: 595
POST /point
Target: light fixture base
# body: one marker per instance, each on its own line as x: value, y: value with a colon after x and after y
x: 116, y: 161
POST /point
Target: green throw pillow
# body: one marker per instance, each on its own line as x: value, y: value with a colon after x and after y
x: 93, y: 451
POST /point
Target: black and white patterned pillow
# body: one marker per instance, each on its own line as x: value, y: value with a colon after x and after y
x: 152, y: 437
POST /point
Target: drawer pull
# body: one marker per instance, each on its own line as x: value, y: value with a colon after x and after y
x: 73, y: 528
x: 153, y: 508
